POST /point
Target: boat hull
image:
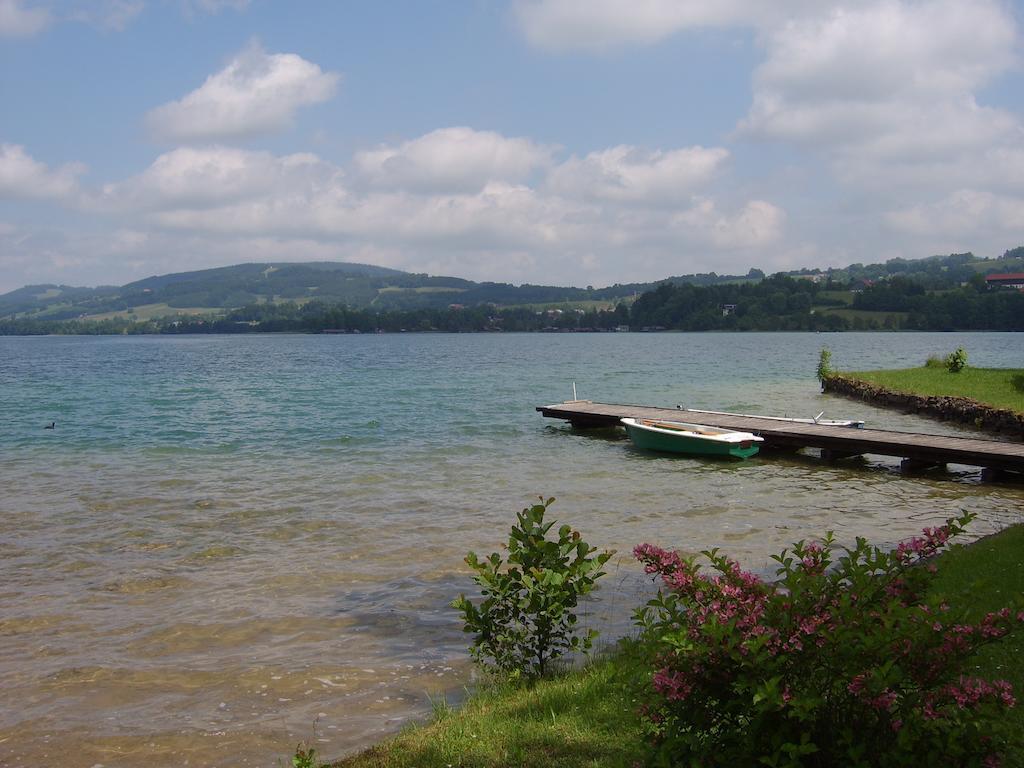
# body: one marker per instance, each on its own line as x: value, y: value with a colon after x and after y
x: 686, y: 443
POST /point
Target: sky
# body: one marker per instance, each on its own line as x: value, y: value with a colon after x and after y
x: 567, y: 142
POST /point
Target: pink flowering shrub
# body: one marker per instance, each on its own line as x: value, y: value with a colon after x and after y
x: 844, y: 660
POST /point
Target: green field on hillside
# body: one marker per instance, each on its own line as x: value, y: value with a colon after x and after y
x: 151, y: 311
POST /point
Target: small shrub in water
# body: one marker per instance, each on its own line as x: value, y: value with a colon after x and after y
x: 825, y: 364
x: 526, y: 618
x: 956, y: 361
x: 304, y: 757
x: 842, y: 661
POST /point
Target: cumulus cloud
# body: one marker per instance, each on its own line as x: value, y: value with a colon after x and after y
x: 19, y: 20
x: 211, y: 177
x: 452, y: 159
x: 457, y: 201
x: 626, y: 173
x: 21, y: 176
x: 111, y: 15
x: 601, y: 24
x: 758, y: 223
x: 962, y: 214
x: 256, y: 93
x: 887, y: 87
x: 214, y: 6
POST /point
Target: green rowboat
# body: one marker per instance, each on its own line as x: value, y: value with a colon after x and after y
x: 694, y: 439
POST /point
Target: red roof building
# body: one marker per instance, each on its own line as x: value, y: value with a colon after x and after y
x: 1006, y: 280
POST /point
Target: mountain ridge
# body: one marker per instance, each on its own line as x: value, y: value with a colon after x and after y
x: 367, y: 286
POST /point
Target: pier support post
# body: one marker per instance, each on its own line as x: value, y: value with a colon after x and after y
x: 994, y: 475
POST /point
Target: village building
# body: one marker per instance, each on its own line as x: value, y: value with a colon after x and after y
x: 1006, y: 280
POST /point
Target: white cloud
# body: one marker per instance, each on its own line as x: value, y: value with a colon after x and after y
x: 209, y: 178
x: 883, y: 50
x: 601, y: 24
x: 964, y: 215
x: 17, y: 20
x: 505, y: 211
x: 21, y: 176
x: 625, y: 173
x: 213, y: 6
x: 111, y: 15
x: 453, y: 159
x: 757, y: 224
x: 256, y: 93
x: 888, y: 87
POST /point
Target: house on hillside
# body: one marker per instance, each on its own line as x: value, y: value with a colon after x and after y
x: 1006, y: 280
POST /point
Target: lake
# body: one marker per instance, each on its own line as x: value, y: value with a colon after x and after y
x: 228, y: 538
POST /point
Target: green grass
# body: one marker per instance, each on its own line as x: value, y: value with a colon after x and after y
x: 422, y: 289
x: 982, y: 577
x: 844, y: 296
x: 864, y: 314
x: 997, y: 387
x: 584, y: 304
x: 586, y: 718
x: 151, y: 311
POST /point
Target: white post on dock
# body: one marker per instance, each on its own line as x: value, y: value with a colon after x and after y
x: 574, y: 391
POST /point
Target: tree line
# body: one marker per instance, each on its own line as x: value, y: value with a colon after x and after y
x: 776, y: 303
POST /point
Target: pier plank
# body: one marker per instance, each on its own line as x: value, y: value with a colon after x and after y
x: 918, y: 447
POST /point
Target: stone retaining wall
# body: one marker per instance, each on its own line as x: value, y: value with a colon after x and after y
x: 959, y: 409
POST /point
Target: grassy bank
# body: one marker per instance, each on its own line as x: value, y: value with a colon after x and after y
x: 996, y: 387
x: 982, y: 577
x: 587, y: 718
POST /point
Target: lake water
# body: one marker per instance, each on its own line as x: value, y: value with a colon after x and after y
x: 226, y: 539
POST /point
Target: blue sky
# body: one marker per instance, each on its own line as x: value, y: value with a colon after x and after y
x: 547, y: 141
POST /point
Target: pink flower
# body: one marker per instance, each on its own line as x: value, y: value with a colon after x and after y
x: 672, y: 684
x: 884, y: 700
x: 856, y: 685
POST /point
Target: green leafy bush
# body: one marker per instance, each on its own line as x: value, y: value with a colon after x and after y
x: 526, y: 618
x: 934, y: 361
x: 844, y: 661
x: 956, y: 361
x: 304, y: 757
x: 825, y: 364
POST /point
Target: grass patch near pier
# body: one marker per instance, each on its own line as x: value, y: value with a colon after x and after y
x: 587, y: 718
x: 996, y: 387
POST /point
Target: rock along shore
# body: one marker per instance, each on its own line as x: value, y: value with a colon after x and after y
x: 959, y: 409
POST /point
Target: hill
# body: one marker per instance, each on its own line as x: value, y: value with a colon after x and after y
x: 359, y: 286
x: 366, y: 287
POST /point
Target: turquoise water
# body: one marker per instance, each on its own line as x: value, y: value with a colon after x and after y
x: 227, y: 538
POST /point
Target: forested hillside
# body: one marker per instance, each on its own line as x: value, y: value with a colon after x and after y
x: 938, y: 293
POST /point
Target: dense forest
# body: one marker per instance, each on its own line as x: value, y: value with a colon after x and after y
x: 777, y: 303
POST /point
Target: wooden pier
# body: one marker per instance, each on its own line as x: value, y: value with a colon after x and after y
x: 916, y: 451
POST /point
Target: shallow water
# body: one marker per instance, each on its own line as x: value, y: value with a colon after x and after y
x: 227, y: 539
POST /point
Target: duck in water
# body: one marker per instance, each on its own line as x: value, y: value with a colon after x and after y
x: 51, y: 425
